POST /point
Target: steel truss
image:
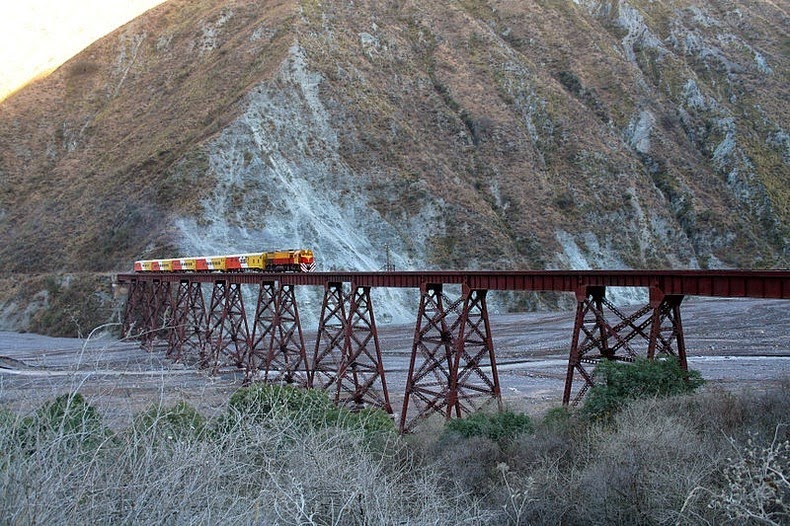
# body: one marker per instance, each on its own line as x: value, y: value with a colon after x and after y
x: 263, y: 331
x: 277, y: 353
x: 666, y: 335
x: 658, y: 325
x: 147, y: 312
x: 330, y: 343
x: 454, y: 346
x: 187, y: 337
x: 360, y: 379
x: 347, y: 357
x: 227, y: 332
x: 133, y: 323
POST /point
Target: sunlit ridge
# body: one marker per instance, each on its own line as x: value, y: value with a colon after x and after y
x: 37, y: 36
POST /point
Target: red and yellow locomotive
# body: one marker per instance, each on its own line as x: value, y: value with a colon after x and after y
x: 292, y: 260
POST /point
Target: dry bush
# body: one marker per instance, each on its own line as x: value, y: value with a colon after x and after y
x: 558, y: 437
x: 643, y: 468
x: 638, y: 473
x: 728, y: 414
x: 754, y: 487
x: 167, y: 468
x: 696, y: 459
x: 757, y: 482
x: 549, y: 463
x: 667, y: 461
x: 334, y: 478
x: 468, y: 464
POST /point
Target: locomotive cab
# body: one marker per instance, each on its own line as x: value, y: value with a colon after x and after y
x: 306, y: 261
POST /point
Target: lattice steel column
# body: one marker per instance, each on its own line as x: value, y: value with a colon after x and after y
x: 157, y: 312
x: 361, y: 378
x: 331, y: 339
x: 228, y: 333
x: 287, y: 358
x: 455, y: 346
x: 188, y: 336
x: 134, y: 315
x: 474, y: 349
x: 262, y: 331
x: 177, y: 333
x: 666, y: 334
x: 427, y: 384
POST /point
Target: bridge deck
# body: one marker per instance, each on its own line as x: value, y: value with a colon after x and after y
x: 773, y: 284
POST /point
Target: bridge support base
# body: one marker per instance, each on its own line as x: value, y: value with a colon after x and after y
x: 278, y: 353
x: 594, y: 338
x: 347, y: 356
x: 453, y: 353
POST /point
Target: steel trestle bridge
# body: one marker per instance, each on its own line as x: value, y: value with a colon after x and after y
x: 204, y: 320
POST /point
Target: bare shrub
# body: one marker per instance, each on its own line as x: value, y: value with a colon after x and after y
x: 558, y: 437
x: 468, y: 463
x: 164, y: 469
x: 713, y: 412
x: 667, y: 461
x: 755, y: 486
x: 766, y: 409
x: 549, y: 463
x: 719, y: 414
x: 637, y: 470
x: 644, y: 467
x: 334, y: 478
x: 518, y: 495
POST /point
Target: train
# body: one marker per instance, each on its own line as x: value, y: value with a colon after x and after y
x: 291, y: 260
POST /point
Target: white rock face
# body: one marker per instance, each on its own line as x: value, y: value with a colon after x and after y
x: 639, y: 34
x: 639, y: 131
x: 281, y: 183
x: 585, y: 252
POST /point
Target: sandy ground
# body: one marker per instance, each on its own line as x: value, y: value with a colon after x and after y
x: 735, y: 344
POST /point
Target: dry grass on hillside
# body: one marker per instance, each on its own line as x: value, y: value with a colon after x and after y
x: 495, y: 127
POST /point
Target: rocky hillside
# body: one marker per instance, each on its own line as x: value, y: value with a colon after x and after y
x: 460, y: 133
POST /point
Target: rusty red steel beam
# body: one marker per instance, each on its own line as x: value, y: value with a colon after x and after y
x: 769, y: 284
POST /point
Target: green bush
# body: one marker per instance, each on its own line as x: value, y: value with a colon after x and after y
x: 69, y: 413
x: 68, y: 419
x: 306, y: 408
x: 179, y: 422
x: 557, y: 419
x: 7, y: 418
x: 621, y: 382
x: 261, y: 401
x: 501, y: 427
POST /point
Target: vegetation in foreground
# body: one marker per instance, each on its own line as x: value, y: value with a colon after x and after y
x: 283, y: 456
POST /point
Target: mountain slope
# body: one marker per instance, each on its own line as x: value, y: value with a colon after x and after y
x: 87, y: 152
x: 462, y: 134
